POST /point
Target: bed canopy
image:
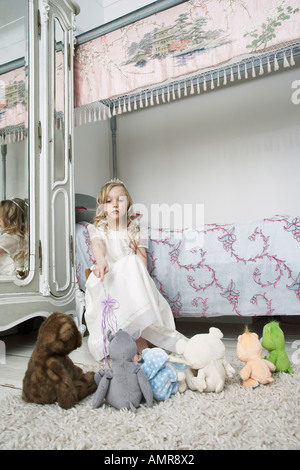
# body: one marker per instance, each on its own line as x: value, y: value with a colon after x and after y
x: 145, y: 59
x: 185, y: 49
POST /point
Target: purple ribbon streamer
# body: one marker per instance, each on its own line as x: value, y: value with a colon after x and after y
x: 108, y: 322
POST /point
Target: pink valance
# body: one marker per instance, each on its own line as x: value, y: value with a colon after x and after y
x: 196, y: 44
x: 14, y: 101
x: 13, y: 105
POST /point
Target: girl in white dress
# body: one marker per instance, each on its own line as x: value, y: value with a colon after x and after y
x: 120, y: 271
x: 13, y: 253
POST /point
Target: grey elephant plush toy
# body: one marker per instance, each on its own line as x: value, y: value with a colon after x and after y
x: 124, y: 384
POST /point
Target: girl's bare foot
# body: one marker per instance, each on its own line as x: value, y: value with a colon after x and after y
x: 141, y: 344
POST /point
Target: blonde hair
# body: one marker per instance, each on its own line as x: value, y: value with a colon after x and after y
x: 100, y: 217
x: 12, y: 213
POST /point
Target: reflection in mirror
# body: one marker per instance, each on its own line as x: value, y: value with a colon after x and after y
x: 59, y: 102
x: 14, y: 237
x: 14, y: 208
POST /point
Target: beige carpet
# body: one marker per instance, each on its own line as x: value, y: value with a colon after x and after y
x: 265, y: 418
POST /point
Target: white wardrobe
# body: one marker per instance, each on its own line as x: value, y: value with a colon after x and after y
x: 37, y: 154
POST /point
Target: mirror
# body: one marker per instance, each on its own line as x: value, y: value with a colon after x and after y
x: 59, y: 103
x: 14, y: 140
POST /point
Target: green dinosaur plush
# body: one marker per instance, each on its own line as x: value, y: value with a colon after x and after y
x: 273, y: 340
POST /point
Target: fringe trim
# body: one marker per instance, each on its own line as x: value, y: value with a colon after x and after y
x: 12, y: 134
x: 254, y: 67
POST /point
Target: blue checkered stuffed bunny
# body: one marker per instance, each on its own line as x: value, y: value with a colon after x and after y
x: 162, y: 374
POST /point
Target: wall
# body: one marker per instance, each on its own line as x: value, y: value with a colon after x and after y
x: 236, y: 150
x: 92, y: 157
x: 16, y: 170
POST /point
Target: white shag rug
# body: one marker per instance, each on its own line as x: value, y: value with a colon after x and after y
x: 265, y: 418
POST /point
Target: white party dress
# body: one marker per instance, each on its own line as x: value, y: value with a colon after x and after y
x: 140, y: 306
x: 11, y: 247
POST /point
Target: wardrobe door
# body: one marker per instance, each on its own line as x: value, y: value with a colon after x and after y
x: 61, y: 265
x: 57, y: 208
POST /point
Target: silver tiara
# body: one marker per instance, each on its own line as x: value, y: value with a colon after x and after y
x: 115, y: 181
x: 18, y: 205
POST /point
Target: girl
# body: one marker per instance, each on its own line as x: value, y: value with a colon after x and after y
x: 12, y: 237
x: 119, y: 248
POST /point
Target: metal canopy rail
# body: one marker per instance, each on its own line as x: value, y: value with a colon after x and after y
x: 179, y: 51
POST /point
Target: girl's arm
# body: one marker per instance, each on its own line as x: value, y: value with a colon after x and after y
x: 141, y: 253
x: 101, y: 266
x: 9, y: 244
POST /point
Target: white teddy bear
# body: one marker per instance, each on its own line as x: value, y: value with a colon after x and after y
x: 205, y: 354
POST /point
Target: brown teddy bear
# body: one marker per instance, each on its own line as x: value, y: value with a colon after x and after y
x: 51, y: 375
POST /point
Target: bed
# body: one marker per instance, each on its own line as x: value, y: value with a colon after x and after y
x: 237, y: 269
x: 243, y: 269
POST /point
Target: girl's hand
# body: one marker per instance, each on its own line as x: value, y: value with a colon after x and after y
x: 100, y: 269
x: 133, y: 246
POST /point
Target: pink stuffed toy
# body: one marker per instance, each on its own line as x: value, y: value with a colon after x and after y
x: 257, y: 370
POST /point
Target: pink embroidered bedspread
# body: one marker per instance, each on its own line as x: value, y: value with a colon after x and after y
x: 247, y: 269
